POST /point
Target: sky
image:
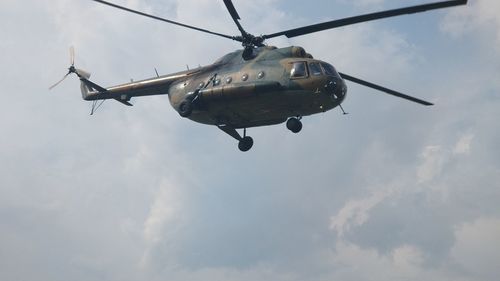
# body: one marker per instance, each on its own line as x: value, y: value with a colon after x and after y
x: 392, y: 191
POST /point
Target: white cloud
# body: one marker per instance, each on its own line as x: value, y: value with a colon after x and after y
x: 433, y: 160
x: 403, y: 263
x: 408, y: 258
x: 356, y: 212
x: 478, y: 16
x: 164, y: 211
x: 351, y: 262
x: 477, y: 247
x: 463, y: 145
x: 166, y: 216
x: 366, y: 3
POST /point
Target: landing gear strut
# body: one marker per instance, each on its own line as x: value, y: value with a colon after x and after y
x: 245, y: 143
x: 293, y: 124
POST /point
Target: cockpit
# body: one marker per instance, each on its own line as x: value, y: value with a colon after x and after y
x: 322, y: 76
x: 303, y: 69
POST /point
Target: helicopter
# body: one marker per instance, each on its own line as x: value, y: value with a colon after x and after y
x: 258, y: 85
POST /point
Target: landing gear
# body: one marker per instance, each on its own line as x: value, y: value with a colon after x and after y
x: 294, y: 124
x: 245, y: 143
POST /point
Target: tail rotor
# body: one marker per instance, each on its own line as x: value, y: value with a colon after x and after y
x: 71, y: 69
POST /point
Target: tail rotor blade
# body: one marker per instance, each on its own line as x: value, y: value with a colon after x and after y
x: 72, y: 55
x: 59, y: 82
x: 71, y: 68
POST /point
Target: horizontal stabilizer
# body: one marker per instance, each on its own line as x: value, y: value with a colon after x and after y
x: 124, y: 102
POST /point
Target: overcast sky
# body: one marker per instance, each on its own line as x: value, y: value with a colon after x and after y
x: 392, y: 191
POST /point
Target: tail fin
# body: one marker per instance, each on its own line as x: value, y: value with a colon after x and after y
x: 84, y: 87
x: 88, y: 87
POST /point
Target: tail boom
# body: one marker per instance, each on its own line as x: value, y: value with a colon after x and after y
x: 123, y: 93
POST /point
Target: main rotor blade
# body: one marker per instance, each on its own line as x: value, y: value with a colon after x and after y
x: 383, y: 89
x: 363, y: 18
x: 165, y: 20
x: 232, y: 10
x: 234, y: 14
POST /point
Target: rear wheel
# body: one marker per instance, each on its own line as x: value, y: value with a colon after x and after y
x: 245, y: 144
x: 294, y: 125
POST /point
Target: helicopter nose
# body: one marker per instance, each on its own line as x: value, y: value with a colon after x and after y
x: 336, y: 88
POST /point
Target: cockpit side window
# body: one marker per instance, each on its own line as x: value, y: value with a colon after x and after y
x: 315, y: 69
x: 329, y: 69
x: 298, y: 70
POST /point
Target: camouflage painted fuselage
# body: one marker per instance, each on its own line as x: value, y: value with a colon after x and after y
x: 260, y: 91
x: 244, y: 93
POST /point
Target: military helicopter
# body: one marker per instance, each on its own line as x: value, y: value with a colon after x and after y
x: 258, y: 85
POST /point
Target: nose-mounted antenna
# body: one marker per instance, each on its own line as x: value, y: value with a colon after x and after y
x: 343, y: 111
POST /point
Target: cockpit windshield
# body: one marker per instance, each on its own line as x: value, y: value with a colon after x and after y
x: 315, y: 69
x: 302, y: 69
x: 329, y: 69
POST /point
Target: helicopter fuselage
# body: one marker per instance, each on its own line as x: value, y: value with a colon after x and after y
x: 273, y: 86
x: 277, y: 83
